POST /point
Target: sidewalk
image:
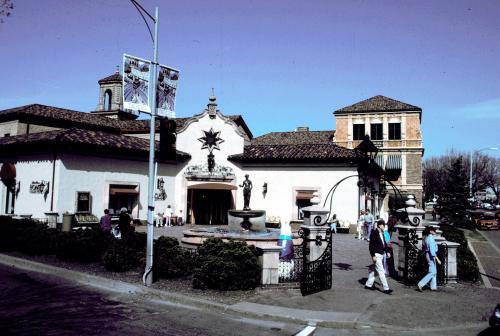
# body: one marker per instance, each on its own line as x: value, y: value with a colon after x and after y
x: 347, y: 305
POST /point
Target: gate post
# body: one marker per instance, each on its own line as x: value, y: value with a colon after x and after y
x: 400, y: 248
x: 317, y: 249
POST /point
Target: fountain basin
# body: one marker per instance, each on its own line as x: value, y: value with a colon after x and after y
x: 246, y: 220
x: 269, y: 237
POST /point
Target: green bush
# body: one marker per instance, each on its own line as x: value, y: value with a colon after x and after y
x: 171, y: 260
x: 82, y: 245
x: 120, y: 256
x: 467, y: 269
x: 226, y: 266
x: 38, y: 239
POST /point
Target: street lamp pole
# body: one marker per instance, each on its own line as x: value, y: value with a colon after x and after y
x: 147, y: 278
x: 471, y: 158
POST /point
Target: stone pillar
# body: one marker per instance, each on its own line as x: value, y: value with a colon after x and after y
x: 269, y: 260
x: 451, y: 265
x: 52, y: 219
x: 316, y: 233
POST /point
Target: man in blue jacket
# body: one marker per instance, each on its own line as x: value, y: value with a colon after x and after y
x: 378, y: 248
x: 430, y: 248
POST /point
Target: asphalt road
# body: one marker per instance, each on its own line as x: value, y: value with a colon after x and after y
x: 36, y: 304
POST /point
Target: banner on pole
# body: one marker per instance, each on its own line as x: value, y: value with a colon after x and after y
x: 166, y: 88
x: 135, y: 83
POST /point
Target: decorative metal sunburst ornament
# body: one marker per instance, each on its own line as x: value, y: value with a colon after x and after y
x: 211, y: 140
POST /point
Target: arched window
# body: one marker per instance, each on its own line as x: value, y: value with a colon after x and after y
x: 107, y: 99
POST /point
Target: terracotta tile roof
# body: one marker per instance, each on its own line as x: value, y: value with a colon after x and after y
x: 295, y: 138
x: 379, y: 104
x: 114, y: 78
x: 60, y: 117
x: 80, y: 141
x: 305, y: 153
x: 142, y: 126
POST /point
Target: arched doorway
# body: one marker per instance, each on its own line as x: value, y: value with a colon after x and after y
x: 208, y: 203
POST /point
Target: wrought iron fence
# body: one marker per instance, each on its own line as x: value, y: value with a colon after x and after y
x: 290, y: 271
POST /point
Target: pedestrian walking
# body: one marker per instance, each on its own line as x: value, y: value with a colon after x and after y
x: 369, y: 222
x: 378, y: 248
x: 168, y: 215
x: 361, y: 224
x: 430, y: 249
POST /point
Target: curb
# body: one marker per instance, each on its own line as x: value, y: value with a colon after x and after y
x: 485, y: 279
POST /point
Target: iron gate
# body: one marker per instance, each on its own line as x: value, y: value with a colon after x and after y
x: 416, y: 264
x: 316, y: 274
x: 290, y: 270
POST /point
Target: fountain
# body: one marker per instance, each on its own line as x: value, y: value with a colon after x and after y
x: 247, y: 225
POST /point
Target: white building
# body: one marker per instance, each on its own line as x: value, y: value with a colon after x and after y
x: 69, y: 161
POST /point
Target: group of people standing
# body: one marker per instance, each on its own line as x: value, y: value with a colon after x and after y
x: 166, y: 219
x: 124, y: 222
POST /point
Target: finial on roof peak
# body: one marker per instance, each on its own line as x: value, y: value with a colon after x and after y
x: 117, y: 71
x: 212, y: 105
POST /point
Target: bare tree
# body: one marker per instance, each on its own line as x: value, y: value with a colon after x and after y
x: 6, y: 7
x: 485, y: 173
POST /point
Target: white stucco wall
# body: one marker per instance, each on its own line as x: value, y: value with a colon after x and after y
x: 283, y: 182
x: 187, y: 141
x: 30, y: 169
x: 81, y: 173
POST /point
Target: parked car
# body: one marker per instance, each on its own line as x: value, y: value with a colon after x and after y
x: 487, y: 221
x: 488, y: 206
x: 495, y: 317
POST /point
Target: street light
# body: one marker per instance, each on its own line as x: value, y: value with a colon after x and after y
x: 471, y: 158
x: 147, y: 278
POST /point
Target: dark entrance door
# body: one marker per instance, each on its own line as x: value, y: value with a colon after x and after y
x: 208, y: 206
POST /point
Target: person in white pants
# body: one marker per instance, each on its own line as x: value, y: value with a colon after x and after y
x: 378, y: 248
x: 361, y: 223
x: 168, y: 214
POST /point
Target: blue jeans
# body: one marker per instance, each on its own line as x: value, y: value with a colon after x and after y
x: 333, y: 227
x: 369, y: 229
x: 431, y: 276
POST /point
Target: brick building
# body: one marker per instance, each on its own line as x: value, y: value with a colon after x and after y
x: 394, y: 127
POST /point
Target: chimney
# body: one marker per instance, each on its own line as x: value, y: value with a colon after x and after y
x: 302, y: 129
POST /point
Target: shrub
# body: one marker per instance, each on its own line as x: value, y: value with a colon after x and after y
x: 11, y: 232
x: 81, y: 245
x: 226, y: 266
x: 120, y: 256
x: 171, y: 260
x: 38, y: 240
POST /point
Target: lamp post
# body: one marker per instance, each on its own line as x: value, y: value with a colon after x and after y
x: 147, y: 278
x: 471, y: 158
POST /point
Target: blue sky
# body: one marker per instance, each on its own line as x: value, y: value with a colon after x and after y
x: 280, y: 64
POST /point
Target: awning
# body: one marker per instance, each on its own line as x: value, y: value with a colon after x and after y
x: 124, y: 191
x: 304, y: 195
x: 380, y: 161
x: 212, y: 186
x: 8, y: 171
x: 394, y: 162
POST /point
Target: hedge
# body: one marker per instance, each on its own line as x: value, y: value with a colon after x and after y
x: 226, y: 266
